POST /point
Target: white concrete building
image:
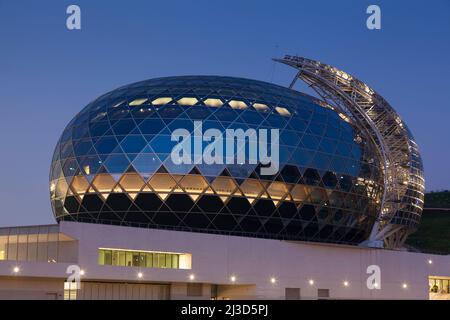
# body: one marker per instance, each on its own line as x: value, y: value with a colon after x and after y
x: 117, y: 262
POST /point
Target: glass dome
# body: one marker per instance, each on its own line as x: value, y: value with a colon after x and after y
x: 112, y: 164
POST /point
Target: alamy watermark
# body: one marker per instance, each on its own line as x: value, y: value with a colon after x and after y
x: 235, y: 146
x: 374, y: 280
x: 74, y: 271
x: 373, y: 22
x: 73, y: 21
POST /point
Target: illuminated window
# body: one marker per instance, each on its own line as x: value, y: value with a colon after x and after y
x: 224, y: 186
x: 132, y: 182
x: 277, y: 190
x: 283, y: 111
x: 299, y: 193
x: 261, y: 107
x: 70, y: 290
x: 144, y: 259
x: 162, y: 182
x: 210, y: 102
x: 79, y: 185
x: 61, y: 188
x: 194, y: 183
x: 186, y: 101
x: 137, y: 102
x: 236, y: 104
x: 3, y: 247
x: 161, y: 101
x: 104, y: 183
x: 438, y: 287
x: 251, y: 188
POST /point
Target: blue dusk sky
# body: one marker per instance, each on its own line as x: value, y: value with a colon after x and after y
x: 48, y: 73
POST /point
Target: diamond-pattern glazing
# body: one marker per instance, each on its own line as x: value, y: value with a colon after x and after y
x: 112, y: 164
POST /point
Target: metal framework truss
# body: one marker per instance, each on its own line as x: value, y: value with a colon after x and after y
x: 398, y: 154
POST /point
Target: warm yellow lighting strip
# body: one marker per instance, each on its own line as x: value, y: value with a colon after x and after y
x: 210, y: 102
x: 139, y: 251
x: 137, y: 102
x: 283, y: 111
x: 187, y: 101
x: 260, y: 107
x: 236, y: 104
x: 195, y: 186
x: 161, y: 101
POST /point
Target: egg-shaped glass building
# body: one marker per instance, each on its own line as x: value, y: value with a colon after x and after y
x: 113, y: 164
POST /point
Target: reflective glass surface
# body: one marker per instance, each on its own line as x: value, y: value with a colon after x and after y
x: 112, y: 164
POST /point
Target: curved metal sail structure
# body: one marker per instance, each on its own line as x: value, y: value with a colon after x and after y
x: 402, y: 203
